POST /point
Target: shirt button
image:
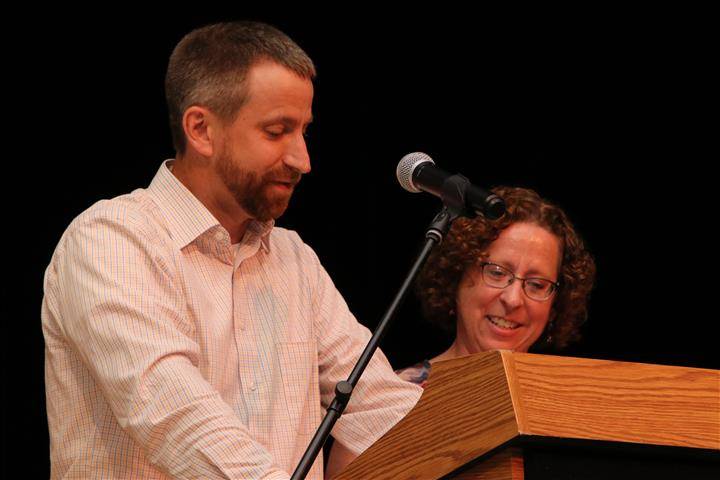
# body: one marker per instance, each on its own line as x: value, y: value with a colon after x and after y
x: 218, y: 236
x: 253, y: 386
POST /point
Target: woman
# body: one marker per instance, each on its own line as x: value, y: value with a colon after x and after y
x: 513, y: 283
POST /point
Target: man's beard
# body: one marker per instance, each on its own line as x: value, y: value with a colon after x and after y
x: 256, y: 194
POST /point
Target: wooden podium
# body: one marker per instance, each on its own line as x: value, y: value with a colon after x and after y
x: 504, y: 415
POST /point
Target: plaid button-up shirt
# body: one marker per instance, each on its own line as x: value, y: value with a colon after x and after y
x: 171, y: 353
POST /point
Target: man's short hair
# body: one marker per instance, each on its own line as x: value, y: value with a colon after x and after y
x: 209, y: 66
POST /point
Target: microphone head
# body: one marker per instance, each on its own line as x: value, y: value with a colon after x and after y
x: 407, y: 166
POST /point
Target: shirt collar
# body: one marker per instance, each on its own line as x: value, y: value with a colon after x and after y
x: 263, y: 229
x: 186, y: 216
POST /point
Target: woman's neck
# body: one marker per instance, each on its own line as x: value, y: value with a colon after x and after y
x: 457, y: 349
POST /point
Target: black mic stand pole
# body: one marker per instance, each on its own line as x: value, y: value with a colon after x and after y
x: 436, y: 231
x: 454, y: 199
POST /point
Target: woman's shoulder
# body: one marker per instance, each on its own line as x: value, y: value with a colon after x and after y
x: 417, y: 373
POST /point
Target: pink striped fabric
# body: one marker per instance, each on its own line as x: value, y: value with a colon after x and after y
x: 169, y: 353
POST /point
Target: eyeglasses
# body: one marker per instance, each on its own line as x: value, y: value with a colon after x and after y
x: 497, y: 276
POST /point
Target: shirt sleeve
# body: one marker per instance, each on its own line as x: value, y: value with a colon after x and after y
x: 122, y: 312
x: 381, y: 398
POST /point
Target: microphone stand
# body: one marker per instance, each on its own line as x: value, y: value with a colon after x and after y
x: 453, y: 196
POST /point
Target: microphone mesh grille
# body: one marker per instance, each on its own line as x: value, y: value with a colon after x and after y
x: 407, y: 166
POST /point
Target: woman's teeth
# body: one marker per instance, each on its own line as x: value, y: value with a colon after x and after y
x: 502, y: 323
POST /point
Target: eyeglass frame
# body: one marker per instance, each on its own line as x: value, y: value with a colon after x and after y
x: 514, y: 277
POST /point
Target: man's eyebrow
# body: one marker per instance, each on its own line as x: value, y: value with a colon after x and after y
x: 285, y: 120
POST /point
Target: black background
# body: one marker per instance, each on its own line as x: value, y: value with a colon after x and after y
x: 602, y: 112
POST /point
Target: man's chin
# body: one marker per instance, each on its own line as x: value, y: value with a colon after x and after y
x: 276, y: 201
x: 271, y: 212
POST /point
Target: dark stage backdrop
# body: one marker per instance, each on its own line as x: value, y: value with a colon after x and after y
x: 599, y: 113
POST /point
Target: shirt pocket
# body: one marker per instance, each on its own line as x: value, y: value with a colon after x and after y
x: 297, y: 362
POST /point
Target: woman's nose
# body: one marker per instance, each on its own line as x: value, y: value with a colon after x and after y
x: 512, y: 295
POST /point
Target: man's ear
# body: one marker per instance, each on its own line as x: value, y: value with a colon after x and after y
x: 200, y: 126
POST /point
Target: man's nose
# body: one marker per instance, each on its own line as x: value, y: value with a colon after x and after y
x: 297, y: 156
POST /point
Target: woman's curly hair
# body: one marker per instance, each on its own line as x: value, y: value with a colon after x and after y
x: 468, y: 241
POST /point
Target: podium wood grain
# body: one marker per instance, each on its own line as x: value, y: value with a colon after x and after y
x: 477, y: 404
x: 618, y: 401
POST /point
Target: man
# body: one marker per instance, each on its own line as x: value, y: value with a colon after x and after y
x: 186, y: 336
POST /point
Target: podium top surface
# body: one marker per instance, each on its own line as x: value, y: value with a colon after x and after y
x: 475, y: 404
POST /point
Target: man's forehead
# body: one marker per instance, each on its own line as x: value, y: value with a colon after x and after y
x: 270, y: 77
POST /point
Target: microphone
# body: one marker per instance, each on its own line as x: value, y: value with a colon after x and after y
x: 417, y: 172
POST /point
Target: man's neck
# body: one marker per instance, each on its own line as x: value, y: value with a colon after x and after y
x: 207, y: 187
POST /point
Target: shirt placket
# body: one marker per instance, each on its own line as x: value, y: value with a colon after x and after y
x: 245, y: 339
